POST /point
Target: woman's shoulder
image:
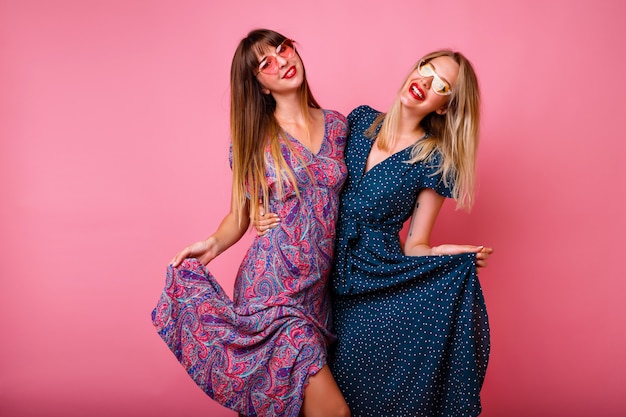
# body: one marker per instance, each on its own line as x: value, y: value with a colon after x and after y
x: 363, y: 113
x: 334, y: 115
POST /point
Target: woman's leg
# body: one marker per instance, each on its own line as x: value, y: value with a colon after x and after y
x: 322, y: 397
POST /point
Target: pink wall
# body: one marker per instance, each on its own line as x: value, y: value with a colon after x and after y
x: 114, y: 132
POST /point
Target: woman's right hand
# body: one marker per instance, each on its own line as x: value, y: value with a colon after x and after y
x: 204, y: 251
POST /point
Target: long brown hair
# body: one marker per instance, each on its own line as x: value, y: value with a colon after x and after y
x: 253, y: 125
x: 454, y: 134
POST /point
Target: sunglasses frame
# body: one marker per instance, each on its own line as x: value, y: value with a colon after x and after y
x: 277, y: 54
x: 435, y: 76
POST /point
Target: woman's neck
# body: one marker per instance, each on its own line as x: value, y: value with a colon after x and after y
x: 409, y: 129
x: 289, y: 112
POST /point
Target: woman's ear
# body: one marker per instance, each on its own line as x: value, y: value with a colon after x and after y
x: 441, y: 111
x: 265, y: 90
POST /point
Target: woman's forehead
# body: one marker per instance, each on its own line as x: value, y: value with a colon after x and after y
x: 445, y: 67
x: 263, y: 48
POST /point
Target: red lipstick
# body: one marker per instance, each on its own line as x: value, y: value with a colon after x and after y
x: 290, y: 73
x: 416, y: 92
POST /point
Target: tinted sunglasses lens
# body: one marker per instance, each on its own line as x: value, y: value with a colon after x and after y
x: 425, y: 70
x: 285, y: 49
x: 440, y: 87
x: 269, y: 65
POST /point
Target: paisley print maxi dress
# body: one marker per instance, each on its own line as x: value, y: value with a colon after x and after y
x: 254, y: 353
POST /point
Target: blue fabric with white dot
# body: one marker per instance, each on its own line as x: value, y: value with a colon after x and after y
x: 413, y: 332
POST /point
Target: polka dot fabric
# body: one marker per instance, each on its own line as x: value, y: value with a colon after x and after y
x: 413, y: 333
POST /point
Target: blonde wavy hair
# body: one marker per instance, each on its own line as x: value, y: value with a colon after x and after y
x: 454, y: 134
x: 253, y: 125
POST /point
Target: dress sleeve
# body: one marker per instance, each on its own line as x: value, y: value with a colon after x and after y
x: 359, y: 113
x: 434, y: 180
x: 341, y: 122
x: 352, y: 115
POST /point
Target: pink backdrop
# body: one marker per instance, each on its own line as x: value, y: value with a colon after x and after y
x: 114, y: 132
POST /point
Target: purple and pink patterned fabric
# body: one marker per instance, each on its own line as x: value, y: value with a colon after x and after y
x: 255, y: 353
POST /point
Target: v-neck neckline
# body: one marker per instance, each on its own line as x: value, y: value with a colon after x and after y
x: 324, y: 135
x: 393, y: 155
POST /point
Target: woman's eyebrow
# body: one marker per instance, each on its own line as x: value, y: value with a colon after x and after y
x: 263, y: 51
x: 266, y: 50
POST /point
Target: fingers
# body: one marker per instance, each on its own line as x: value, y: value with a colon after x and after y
x: 178, y: 259
x: 266, y: 225
x: 481, y: 257
x: 175, y: 262
x: 451, y: 249
x: 274, y: 220
x: 481, y: 263
x: 268, y: 222
x: 270, y: 219
x: 471, y: 249
x: 465, y: 249
x: 484, y: 253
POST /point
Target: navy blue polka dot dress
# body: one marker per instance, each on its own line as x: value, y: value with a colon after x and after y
x: 413, y: 334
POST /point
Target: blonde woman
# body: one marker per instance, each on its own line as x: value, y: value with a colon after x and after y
x: 265, y: 352
x: 410, y: 318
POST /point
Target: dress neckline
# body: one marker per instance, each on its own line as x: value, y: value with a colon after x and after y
x: 324, y: 136
x: 393, y: 155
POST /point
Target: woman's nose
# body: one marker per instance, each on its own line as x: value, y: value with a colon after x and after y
x: 281, y: 61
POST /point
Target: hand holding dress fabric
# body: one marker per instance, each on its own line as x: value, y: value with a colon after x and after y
x: 204, y: 251
x: 482, y: 252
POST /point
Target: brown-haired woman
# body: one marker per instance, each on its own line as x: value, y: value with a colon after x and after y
x: 264, y: 352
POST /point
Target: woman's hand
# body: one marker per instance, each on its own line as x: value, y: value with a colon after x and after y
x: 264, y: 222
x: 204, y: 251
x: 482, y: 252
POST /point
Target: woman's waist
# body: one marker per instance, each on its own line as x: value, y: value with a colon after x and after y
x: 351, y: 228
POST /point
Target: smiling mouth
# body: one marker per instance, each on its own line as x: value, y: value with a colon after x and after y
x: 290, y: 72
x: 416, y: 92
